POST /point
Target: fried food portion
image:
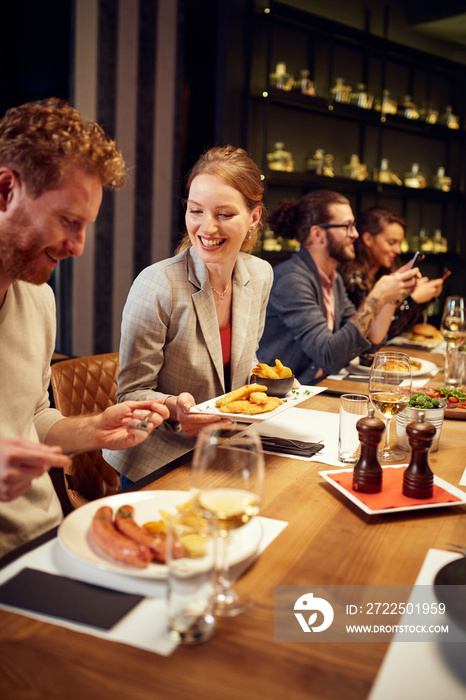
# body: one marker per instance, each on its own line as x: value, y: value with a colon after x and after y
x: 265, y: 371
x: 268, y: 372
x: 258, y: 397
x: 191, y: 517
x: 281, y: 370
x: 252, y: 409
x: 240, y: 394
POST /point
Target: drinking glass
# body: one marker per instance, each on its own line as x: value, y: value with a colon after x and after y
x: 389, y: 392
x: 453, y: 323
x: 227, y: 481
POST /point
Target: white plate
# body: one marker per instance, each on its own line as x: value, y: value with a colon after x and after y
x: 294, y: 397
x: 407, y: 339
x: 382, y: 511
x: 74, y: 536
x: 426, y: 367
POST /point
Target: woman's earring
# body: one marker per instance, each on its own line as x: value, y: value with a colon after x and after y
x: 250, y: 232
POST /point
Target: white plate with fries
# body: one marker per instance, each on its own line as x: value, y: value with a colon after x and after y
x: 293, y: 398
x: 74, y: 536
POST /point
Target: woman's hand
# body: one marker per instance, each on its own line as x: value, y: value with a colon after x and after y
x: 192, y: 423
x: 427, y: 289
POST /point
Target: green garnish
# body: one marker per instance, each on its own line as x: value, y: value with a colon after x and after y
x: 421, y: 400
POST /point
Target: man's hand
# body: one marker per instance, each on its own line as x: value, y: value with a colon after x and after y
x: 115, y: 426
x: 21, y: 461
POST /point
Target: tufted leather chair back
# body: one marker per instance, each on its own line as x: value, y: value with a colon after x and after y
x: 87, y: 385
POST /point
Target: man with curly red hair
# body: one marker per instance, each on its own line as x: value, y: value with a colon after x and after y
x: 53, y: 168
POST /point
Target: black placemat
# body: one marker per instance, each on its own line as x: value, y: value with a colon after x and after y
x: 50, y: 594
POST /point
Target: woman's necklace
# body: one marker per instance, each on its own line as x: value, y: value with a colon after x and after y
x: 221, y: 294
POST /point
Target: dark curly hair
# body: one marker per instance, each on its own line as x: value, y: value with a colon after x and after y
x: 294, y: 219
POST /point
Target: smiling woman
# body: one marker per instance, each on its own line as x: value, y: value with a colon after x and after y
x: 378, y: 247
x: 192, y: 323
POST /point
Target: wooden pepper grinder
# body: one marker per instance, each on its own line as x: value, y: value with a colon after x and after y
x: 418, y: 480
x: 367, y: 473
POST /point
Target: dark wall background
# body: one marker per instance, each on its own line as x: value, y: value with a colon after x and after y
x: 35, y: 50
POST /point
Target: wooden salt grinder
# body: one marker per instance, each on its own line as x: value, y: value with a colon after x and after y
x: 418, y: 480
x: 367, y: 473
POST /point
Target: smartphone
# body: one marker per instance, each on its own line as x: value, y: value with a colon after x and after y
x: 418, y: 257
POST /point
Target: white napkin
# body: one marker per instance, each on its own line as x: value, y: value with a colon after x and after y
x: 146, y: 625
x: 423, y: 670
x: 463, y: 479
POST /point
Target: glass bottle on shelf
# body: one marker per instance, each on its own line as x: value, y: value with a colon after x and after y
x: 320, y: 163
x: 385, y: 176
x: 304, y: 84
x: 269, y: 242
x: 428, y: 114
x: 355, y: 170
x: 281, y: 79
x: 449, y: 119
x: 425, y: 243
x: 440, y: 181
x: 340, y: 92
x: 439, y: 242
x: 388, y: 105
x: 361, y: 98
x: 408, y: 108
x: 279, y: 159
x: 405, y: 246
x: 414, y: 178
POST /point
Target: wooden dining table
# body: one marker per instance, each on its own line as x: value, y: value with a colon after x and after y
x: 328, y: 540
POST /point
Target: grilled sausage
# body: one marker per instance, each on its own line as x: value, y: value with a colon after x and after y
x: 114, y: 543
x: 125, y: 523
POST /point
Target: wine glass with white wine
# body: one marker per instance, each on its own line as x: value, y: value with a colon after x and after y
x: 453, y: 329
x: 453, y: 323
x: 227, y: 481
x: 389, y: 391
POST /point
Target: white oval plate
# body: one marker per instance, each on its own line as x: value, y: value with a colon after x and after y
x: 74, y: 536
x: 426, y: 367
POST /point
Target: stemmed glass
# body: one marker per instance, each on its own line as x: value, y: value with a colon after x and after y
x: 453, y: 323
x: 227, y: 481
x: 389, y: 391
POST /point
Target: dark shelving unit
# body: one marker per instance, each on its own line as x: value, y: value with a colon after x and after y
x: 304, y: 123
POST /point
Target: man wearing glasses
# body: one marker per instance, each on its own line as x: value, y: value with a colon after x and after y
x: 311, y: 325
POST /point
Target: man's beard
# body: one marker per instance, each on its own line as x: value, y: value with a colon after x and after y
x: 340, y: 252
x: 20, y: 251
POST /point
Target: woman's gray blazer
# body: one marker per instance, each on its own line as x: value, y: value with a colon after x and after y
x: 170, y: 343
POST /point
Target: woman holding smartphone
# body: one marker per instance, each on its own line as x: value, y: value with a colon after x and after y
x: 378, y: 247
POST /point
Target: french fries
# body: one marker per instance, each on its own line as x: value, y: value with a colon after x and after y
x: 268, y: 372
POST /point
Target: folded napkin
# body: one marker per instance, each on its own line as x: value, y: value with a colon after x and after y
x: 391, y: 495
x: 290, y: 447
x: 60, y: 596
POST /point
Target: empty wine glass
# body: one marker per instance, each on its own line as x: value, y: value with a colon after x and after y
x: 227, y: 481
x: 389, y: 391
